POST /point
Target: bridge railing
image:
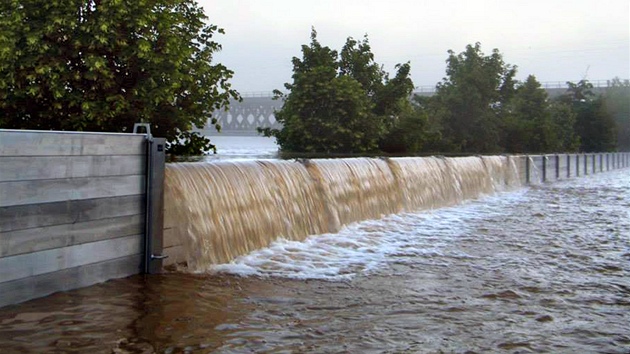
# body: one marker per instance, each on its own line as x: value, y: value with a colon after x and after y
x: 431, y: 88
x: 563, y: 84
x: 254, y: 94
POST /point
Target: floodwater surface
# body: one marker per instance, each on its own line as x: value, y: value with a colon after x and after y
x: 242, y: 147
x: 540, y: 269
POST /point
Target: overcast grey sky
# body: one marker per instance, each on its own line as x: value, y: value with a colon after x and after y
x: 556, y: 40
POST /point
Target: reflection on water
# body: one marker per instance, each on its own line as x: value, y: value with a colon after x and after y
x: 543, y: 269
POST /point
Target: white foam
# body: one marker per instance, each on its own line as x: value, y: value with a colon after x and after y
x: 365, y: 247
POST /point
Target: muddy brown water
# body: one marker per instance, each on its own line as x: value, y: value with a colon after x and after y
x: 541, y: 269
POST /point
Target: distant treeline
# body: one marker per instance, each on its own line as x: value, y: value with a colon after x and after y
x: 345, y: 103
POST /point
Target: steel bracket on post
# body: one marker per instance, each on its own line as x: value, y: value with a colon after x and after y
x: 147, y: 129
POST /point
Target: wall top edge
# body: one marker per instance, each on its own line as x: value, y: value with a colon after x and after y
x: 69, y: 132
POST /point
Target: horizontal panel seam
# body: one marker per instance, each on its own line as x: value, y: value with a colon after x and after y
x: 86, y: 199
x: 113, y: 260
x: 76, y: 244
x: 70, y: 132
x: 70, y: 155
x: 79, y: 265
x: 75, y: 155
x: 65, y: 178
x: 72, y: 178
x: 4, y: 233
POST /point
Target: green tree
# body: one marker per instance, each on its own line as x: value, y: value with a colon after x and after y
x: 339, y: 102
x: 390, y: 97
x: 533, y: 124
x: 580, y: 91
x: 564, y: 118
x: 357, y: 61
x: 617, y: 104
x: 594, y: 125
x: 409, y: 132
x: 403, y: 125
x: 434, y: 140
x: 97, y: 65
x: 470, y: 100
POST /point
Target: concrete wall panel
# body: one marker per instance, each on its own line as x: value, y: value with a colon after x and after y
x: 25, y: 168
x: 36, y: 263
x: 24, y: 289
x: 58, y: 190
x: 48, y: 143
x: 32, y: 240
x: 30, y: 216
x: 72, y: 210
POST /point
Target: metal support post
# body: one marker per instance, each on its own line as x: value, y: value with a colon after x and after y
x: 154, y: 185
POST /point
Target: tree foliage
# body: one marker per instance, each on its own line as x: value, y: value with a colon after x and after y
x: 480, y: 108
x: 346, y: 103
x: 339, y: 102
x: 470, y: 99
x: 409, y: 132
x: 594, y: 125
x: 617, y: 104
x: 564, y: 117
x: 104, y: 65
x: 535, y: 124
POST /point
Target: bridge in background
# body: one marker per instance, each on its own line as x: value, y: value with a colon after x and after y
x: 257, y: 108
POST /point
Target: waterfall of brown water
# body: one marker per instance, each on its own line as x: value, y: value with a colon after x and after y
x: 226, y: 209
x: 356, y: 189
x: 425, y: 183
x: 472, y: 176
x: 503, y: 171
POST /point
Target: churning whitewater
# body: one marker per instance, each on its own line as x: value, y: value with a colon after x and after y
x: 308, y: 219
x: 369, y: 246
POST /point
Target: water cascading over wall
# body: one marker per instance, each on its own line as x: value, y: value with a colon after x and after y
x: 218, y: 211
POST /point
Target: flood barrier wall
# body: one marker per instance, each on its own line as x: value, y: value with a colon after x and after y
x: 216, y: 212
x: 75, y: 211
x: 72, y: 210
x: 535, y: 169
